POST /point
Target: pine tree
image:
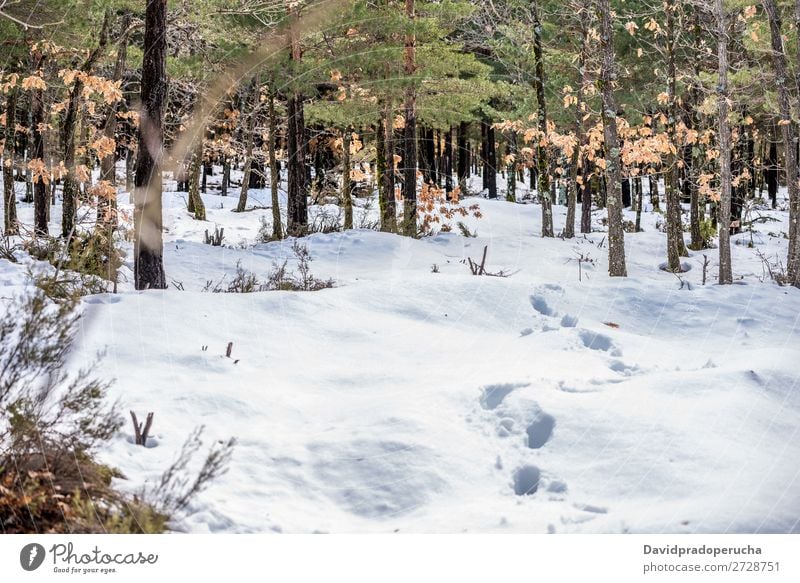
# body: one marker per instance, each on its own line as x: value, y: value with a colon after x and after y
x: 148, y: 246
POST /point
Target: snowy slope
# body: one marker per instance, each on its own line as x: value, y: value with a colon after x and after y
x: 413, y: 401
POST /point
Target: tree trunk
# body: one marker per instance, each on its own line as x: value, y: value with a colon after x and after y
x: 10, y: 222
x: 71, y: 186
x: 787, y: 131
x: 639, y: 188
x: 389, y: 204
x: 41, y: 200
x: 106, y: 211
x: 448, y: 161
x: 608, y: 75
x: 580, y: 126
x: 725, y: 269
x: 586, y: 200
x: 410, y: 132
x: 347, y: 186
x: 297, y: 210
x: 543, y: 189
x: 226, y: 175
x: 248, y: 155
x: 196, y: 205
x: 463, y: 157
x: 676, y: 247
x: 771, y: 171
x: 274, y: 168
x: 490, y: 159
x: 148, y: 245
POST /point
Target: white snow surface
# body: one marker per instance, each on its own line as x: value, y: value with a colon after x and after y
x: 404, y: 400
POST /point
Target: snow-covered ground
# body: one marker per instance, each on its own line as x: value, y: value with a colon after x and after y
x: 410, y: 400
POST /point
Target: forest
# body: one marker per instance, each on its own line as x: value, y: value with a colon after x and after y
x: 553, y: 248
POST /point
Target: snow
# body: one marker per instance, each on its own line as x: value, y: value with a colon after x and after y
x: 404, y: 400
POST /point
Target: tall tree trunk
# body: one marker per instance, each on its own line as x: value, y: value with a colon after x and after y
x: 448, y: 161
x: 250, y: 130
x: 389, y: 203
x: 543, y: 189
x: 771, y: 170
x: 71, y: 186
x: 106, y: 211
x: 676, y: 247
x: 297, y: 211
x: 297, y: 207
x: 608, y: 75
x: 10, y: 223
x: 638, y: 188
x: 490, y: 159
x: 725, y: 269
x: 148, y: 245
x: 586, y: 199
x: 347, y: 185
x: 274, y: 167
x: 226, y: 175
x: 196, y: 166
x: 410, y: 131
x: 463, y: 157
x: 41, y: 206
x: 787, y: 128
x: 511, y: 182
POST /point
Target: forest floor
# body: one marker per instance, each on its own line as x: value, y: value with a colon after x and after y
x: 414, y: 399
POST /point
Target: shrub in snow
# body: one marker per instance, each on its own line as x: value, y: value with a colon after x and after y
x: 51, y: 423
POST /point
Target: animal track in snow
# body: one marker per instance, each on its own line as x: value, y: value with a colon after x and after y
x: 568, y: 321
x: 540, y: 305
x: 526, y: 480
x: 493, y: 395
x: 596, y: 341
x: 540, y: 430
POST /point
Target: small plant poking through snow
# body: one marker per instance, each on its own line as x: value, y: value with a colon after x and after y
x: 215, y: 239
x: 278, y: 279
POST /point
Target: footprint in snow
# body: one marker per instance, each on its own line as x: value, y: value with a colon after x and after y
x: 526, y: 480
x: 597, y: 341
x: 493, y: 395
x: 540, y: 430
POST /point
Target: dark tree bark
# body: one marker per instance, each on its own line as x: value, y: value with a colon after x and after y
x: 274, y: 168
x: 585, y: 190
x: 148, y: 245
x: 347, y: 185
x: 771, y: 171
x: 578, y: 160
x: 787, y: 131
x: 410, y: 131
x: 250, y: 130
x: 608, y: 75
x: 106, y: 206
x: 463, y: 156
x: 389, y: 204
x: 297, y: 211
x: 511, y: 183
x: 41, y: 200
x: 297, y: 207
x: 490, y: 160
x: 71, y: 186
x: 196, y: 205
x: 676, y: 247
x: 724, y: 214
x: 10, y: 222
x: 542, y: 158
x: 448, y: 161
x: 226, y: 175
